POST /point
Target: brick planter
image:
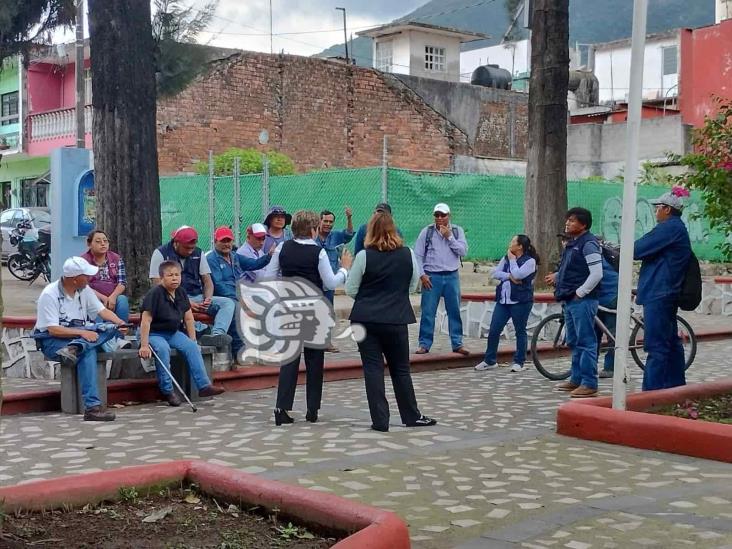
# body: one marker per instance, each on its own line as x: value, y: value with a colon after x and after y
x: 369, y: 526
x: 594, y: 419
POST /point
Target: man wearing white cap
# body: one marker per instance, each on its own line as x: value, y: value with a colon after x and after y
x: 665, y: 253
x: 439, y: 249
x: 65, y: 329
x: 253, y: 248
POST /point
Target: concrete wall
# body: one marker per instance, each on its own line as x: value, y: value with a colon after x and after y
x: 494, y: 166
x: 495, y: 121
x: 417, y: 42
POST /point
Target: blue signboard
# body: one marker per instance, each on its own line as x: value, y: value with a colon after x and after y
x: 86, y: 212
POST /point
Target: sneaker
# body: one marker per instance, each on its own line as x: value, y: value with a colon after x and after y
x: 566, y: 386
x: 68, y: 355
x: 98, y: 413
x: 173, y: 399
x: 483, y: 365
x: 605, y: 374
x: 423, y: 421
x: 583, y: 392
x: 218, y: 340
x: 517, y: 367
x: 123, y: 343
x: 210, y: 391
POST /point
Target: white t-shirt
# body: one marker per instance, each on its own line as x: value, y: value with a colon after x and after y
x: 56, y: 308
x: 157, y: 258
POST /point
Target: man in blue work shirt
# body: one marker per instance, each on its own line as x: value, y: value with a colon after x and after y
x: 331, y: 240
x: 439, y: 250
x: 665, y: 252
x: 575, y: 286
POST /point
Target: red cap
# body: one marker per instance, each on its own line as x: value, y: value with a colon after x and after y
x: 223, y: 232
x: 185, y: 234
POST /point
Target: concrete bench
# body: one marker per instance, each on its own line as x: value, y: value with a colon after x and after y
x: 725, y: 282
x: 73, y: 403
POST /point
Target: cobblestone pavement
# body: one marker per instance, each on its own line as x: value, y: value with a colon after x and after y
x: 492, y: 473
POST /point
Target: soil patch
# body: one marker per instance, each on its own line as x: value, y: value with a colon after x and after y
x: 176, y: 518
x: 717, y: 409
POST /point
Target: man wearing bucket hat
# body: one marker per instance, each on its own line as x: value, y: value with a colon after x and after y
x: 65, y: 330
x: 196, y: 281
x: 276, y: 222
x: 665, y: 252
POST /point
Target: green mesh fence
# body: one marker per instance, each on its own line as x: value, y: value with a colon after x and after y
x: 488, y: 207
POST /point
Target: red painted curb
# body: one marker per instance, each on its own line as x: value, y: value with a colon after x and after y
x: 594, y: 419
x: 370, y: 527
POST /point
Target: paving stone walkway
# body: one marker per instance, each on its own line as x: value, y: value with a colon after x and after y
x: 492, y: 473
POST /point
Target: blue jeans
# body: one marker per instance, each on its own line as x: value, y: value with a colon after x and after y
x: 86, y: 366
x: 609, y: 320
x: 665, y: 365
x: 162, y: 342
x: 224, y: 315
x: 447, y: 285
x: 579, y: 320
x: 122, y: 308
x: 519, y: 314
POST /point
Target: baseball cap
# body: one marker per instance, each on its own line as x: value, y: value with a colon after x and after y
x: 442, y: 208
x: 184, y: 234
x: 669, y: 199
x: 223, y: 232
x: 75, y: 266
x: 383, y: 207
x: 257, y: 229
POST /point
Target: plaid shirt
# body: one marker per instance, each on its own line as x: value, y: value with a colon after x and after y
x: 121, y: 272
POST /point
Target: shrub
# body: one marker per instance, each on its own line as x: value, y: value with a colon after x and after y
x: 250, y: 161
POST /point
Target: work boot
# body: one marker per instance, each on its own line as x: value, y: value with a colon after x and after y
x: 219, y: 341
x: 173, y: 399
x: 98, y: 413
x: 583, y: 392
x: 566, y: 386
x: 69, y: 355
x: 210, y: 391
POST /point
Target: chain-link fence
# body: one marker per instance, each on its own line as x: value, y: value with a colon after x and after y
x: 489, y: 207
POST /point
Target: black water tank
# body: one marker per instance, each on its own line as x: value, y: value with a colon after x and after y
x: 491, y: 76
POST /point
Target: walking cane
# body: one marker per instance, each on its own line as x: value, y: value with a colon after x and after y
x: 175, y: 382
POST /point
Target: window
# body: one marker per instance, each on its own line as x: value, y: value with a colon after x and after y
x: 87, y: 86
x: 434, y: 59
x: 6, y: 218
x: 384, y: 56
x: 9, y: 105
x: 670, y: 60
x: 34, y: 193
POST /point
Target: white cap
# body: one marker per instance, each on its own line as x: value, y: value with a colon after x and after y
x: 75, y: 266
x: 442, y: 208
x: 257, y: 229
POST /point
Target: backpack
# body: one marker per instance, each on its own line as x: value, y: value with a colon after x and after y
x: 428, y: 239
x: 691, y: 287
x: 611, y: 254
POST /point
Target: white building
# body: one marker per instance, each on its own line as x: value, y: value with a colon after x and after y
x: 419, y: 49
x: 512, y: 56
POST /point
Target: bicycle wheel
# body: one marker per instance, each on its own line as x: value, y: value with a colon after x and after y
x: 551, y: 331
x: 20, y: 267
x: 686, y: 334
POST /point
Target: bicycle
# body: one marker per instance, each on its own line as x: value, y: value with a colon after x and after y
x: 551, y: 328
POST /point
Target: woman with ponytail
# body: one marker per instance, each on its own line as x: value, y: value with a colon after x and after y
x: 514, y: 300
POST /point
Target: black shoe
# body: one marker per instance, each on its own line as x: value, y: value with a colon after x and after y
x: 69, y: 355
x: 173, y: 399
x: 312, y: 417
x: 97, y: 413
x: 423, y: 421
x: 219, y: 340
x: 281, y: 416
x: 380, y: 429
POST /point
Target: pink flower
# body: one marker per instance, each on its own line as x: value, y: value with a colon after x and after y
x: 727, y: 165
x: 681, y: 192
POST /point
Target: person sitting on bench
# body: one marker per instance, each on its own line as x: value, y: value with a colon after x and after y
x: 66, y: 332
x: 166, y: 311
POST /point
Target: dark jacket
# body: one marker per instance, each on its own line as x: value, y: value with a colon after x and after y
x: 573, y: 269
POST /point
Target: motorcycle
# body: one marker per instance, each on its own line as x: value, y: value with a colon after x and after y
x: 32, y: 258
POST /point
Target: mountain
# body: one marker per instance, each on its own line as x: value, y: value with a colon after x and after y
x: 590, y: 21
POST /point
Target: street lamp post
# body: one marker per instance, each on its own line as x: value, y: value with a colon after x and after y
x: 345, y: 34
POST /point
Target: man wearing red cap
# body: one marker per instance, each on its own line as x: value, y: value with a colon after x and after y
x: 196, y: 281
x: 226, y: 269
x: 253, y: 248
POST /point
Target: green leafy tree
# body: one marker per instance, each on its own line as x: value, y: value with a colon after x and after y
x: 28, y: 23
x: 710, y: 170
x: 250, y: 161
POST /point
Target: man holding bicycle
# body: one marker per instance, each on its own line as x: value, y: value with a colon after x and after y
x: 665, y: 252
x: 576, y: 287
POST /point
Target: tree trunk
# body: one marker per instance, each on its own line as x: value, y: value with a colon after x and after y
x: 124, y: 131
x: 546, y: 171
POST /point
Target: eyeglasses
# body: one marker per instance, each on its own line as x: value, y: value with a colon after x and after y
x: 440, y: 214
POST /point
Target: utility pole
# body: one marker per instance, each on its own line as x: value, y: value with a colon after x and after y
x: 271, y: 42
x: 79, y: 70
x: 345, y: 34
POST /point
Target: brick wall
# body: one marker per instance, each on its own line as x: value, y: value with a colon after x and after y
x: 316, y: 111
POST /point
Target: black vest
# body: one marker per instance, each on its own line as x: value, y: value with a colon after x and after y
x: 301, y: 260
x: 573, y: 269
x: 520, y: 293
x: 383, y: 296
x: 191, y: 271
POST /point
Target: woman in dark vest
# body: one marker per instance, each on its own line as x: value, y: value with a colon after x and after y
x: 382, y: 277
x: 110, y: 282
x: 514, y: 300
x: 302, y: 257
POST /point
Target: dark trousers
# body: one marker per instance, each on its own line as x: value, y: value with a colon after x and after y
x: 314, y: 359
x: 390, y: 341
x: 665, y: 365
